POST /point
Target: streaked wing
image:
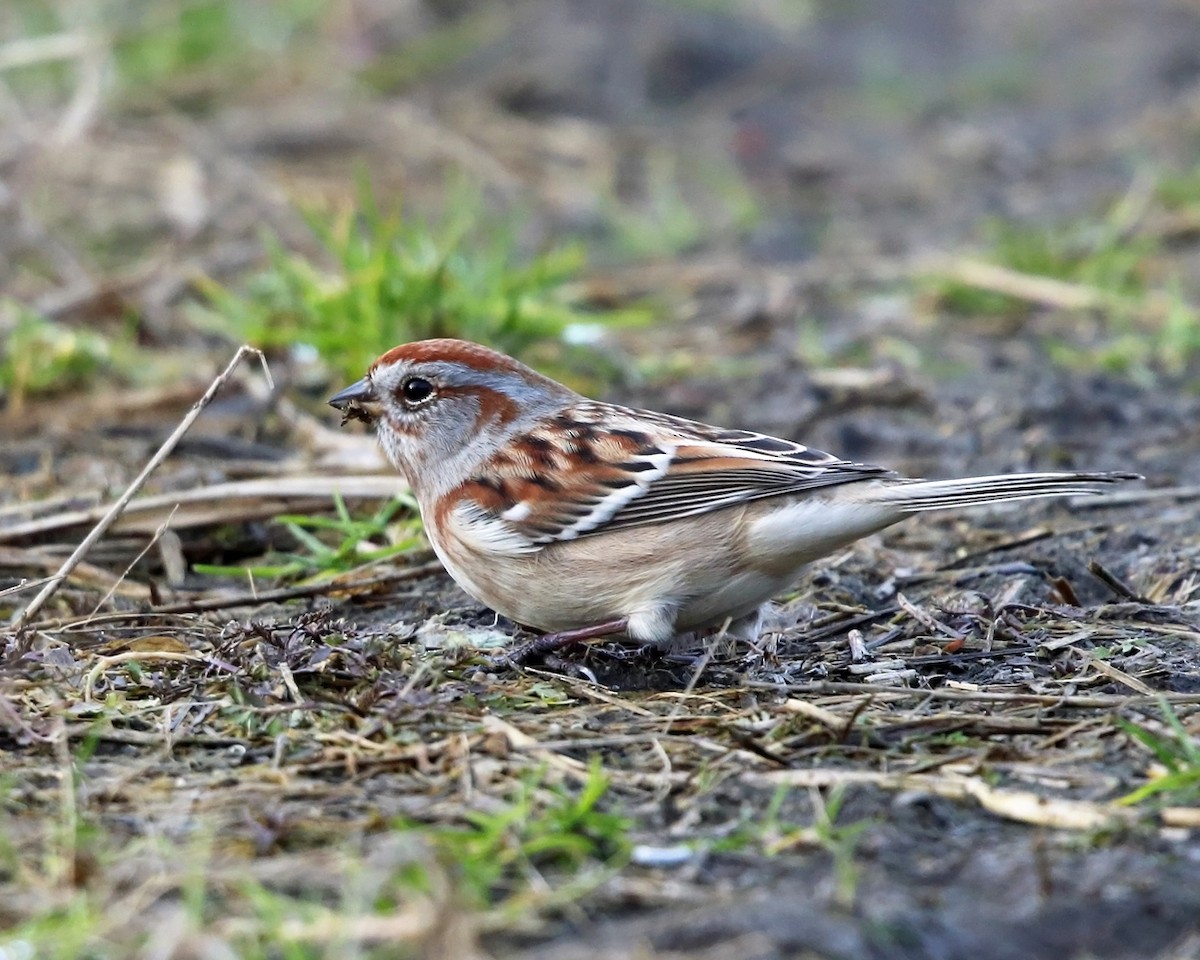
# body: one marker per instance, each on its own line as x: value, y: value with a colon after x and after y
x: 604, y: 468
x: 688, y: 494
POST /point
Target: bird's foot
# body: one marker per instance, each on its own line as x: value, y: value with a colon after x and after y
x: 540, y: 648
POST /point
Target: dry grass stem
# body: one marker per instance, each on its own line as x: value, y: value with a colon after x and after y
x: 25, y: 615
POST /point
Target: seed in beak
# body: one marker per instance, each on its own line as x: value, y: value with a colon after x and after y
x: 355, y: 402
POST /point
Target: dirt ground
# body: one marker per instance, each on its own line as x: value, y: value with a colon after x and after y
x: 924, y: 757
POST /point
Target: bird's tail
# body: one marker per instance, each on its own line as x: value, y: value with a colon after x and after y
x: 917, y: 496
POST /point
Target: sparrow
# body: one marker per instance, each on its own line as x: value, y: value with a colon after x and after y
x: 584, y: 519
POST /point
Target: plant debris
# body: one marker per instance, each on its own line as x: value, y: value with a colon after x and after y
x: 250, y: 715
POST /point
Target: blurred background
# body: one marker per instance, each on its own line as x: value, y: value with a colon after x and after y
x: 949, y: 237
x: 785, y: 213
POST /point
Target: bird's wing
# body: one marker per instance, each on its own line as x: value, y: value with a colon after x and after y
x: 601, y: 468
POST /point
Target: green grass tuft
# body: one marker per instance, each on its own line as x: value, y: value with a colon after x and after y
x: 43, y: 356
x: 352, y: 543
x: 1143, y: 320
x: 502, y: 854
x: 395, y: 278
x: 1177, y: 751
x: 171, y: 49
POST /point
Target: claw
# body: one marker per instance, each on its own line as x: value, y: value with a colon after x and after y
x: 571, y: 669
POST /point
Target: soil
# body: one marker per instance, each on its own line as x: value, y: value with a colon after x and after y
x: 998, y: 647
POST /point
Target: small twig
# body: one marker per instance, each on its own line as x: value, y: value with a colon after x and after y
x: 1129, y: 213
x: 1033, y: 288
x: 344, y: 588
x: 84, y: 573
x: 1114, y: 583
x: 517, y: 739
x: 36, y: 604
x: 85, y: 101
x: 695, y: 677
x: 837, y: 624
x: 859, y: 706
x: 24, y: 585
x: 89, y: 683
x: 1093, y: 701
x: 858, y: 646
x: 31, y: 51
x: 1020, y: 540
x: 834, y: 722
x: 146, y: 738
x: 1022, y: 806
x: 132, y: 563
x: 1115, y: 673
x: 12, y: 719
x: 927, y: 620
x: 230, y: 502
x: 1062, y: 586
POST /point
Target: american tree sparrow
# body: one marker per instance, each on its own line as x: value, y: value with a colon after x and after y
x: 585, y: 519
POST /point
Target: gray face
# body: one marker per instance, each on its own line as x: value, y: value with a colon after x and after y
x: 438, y: 419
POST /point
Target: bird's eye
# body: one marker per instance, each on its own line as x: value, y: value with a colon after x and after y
x: 416, y: 389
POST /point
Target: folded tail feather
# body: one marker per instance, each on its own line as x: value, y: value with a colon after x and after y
x: 917, y: 496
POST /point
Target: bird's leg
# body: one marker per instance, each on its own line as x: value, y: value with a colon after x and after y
x: 550, y: 642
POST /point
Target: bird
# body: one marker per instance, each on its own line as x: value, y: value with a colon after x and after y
x: 584, y: 519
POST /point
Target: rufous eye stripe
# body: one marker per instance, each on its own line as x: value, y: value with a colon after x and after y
x: 494, y: 406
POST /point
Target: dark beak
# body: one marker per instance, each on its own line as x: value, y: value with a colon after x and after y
x: 357, y: 402
x: 361, y: 392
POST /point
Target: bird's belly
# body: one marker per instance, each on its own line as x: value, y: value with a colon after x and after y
x: 560, y: 595
x: 665, y: 579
